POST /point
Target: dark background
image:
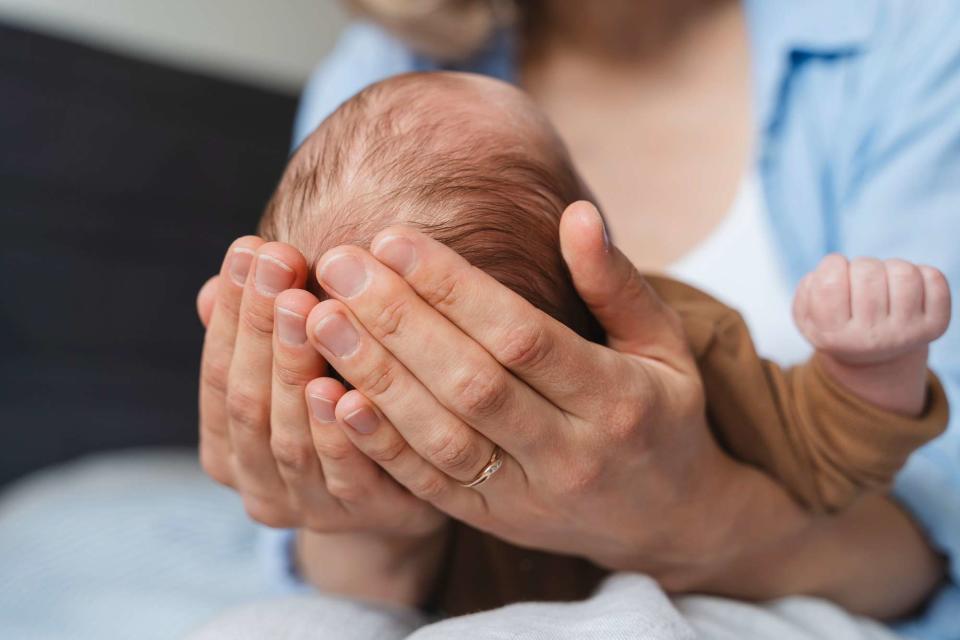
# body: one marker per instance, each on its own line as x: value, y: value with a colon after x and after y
x: 121, y: 185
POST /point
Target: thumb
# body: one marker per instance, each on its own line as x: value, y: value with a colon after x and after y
x: 635, y: 318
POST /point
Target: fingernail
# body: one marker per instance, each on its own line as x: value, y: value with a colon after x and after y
x: 240, y: 262
x: 363, y: 420
x: 345, y: 274
x: 322, y: 409
x: 291, y: 327
x: 397, y: 253
x: 272, y: 276
x: 337, y: 334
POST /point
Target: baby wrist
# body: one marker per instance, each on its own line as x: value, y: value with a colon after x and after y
x: 898, y: 385
x: 377, y: 567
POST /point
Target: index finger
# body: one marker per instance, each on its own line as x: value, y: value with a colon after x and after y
x: 546, y: 354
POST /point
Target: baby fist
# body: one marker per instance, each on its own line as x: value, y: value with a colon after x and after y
x: 867, y: 311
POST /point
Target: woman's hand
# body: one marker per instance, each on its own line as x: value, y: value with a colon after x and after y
x: 606, y: 449
x: 267, y: 429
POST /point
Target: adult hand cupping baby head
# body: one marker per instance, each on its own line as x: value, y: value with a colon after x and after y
x: 605, y: 449
x: 266, y: 412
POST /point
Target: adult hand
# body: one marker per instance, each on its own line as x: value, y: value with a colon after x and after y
x: 606, y: 451
x: 267, y: 429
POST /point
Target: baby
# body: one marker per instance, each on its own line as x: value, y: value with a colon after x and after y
x: 471, y: 162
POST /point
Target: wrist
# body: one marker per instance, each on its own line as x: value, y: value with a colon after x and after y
x: 753, y: 525
x: 897, y: 384
x: 384, y: 568
x: 769, y: 547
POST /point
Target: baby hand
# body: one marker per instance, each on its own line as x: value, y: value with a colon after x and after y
x: 870, y: 311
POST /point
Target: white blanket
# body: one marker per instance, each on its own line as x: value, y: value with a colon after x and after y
x: 625, y: 607
x: 142, y: 545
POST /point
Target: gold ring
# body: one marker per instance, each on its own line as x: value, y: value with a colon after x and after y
x: 496, y: 461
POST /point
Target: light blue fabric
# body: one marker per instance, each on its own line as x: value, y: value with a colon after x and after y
x: 138, y: 544
x: 857, y: 108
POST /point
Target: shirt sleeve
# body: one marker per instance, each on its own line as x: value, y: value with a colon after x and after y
x: 902, y: 199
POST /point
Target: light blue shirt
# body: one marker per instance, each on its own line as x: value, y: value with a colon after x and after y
x: 857, y: 106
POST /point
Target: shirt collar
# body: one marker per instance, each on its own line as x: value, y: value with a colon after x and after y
x: 784, y: 31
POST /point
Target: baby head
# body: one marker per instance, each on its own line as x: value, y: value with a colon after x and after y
x: 468, y: 160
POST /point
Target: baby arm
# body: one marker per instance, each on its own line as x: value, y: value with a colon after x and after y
x: 828, y: 435
x: 871, y: 323
x: 392, y: 570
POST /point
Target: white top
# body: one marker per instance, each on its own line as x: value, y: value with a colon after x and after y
x: 738, y: 265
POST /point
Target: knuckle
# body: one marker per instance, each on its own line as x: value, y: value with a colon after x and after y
x: 347, y: 490
x: 387, y: 451
x: 902, y: 270
x: 444, y: 292
x: 525, y: 347
x: 258, y: 323
x: 625, y: 419
x: 232, y: 301
x: 212, y: 429
x: 389, y: 320
x: 430, y: 488
x: 828, y: 286
x: 378, y: 381
x: 290, y: 375
x: 335, y: 451
x: 215, y: 374
x: 480, y: 392
x: 829, y: 281
x: 245, y: 410
x: 867, y: 270
x: 452, y: 451
x: 293, y: 456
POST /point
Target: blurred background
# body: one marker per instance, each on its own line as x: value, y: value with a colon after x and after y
x: 137, y: 138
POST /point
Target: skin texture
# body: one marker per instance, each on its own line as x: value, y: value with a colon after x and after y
x: 293, y: 466
x: 633, y: 118
x: 872, y: 322
x: 677, y: 523
x: 253, y: 387
x: 472, y: 402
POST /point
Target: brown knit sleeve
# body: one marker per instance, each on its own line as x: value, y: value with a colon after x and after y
x: 851, y: 446
x: 824, y: 444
